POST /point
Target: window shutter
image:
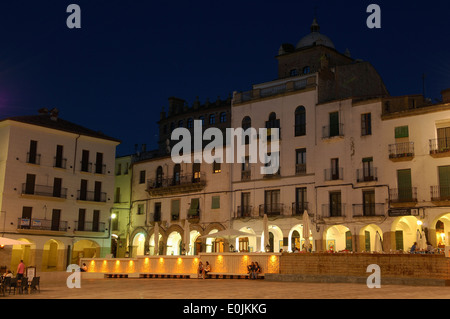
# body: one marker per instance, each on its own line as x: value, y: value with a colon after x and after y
x: 401, y: 131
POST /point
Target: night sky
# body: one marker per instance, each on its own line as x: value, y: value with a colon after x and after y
x: 116, y: 73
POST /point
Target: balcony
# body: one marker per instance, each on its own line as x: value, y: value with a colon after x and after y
x: 298, y: 208
x: 366, y: 175
x: 33, y: 158
x: 334, y: 174
x: 440, y: 147
x: 193, y: 214
x: 300, y: 169
x: 86, y: 167
x: 243, y: 212
x: 182, y: 184
x: 41, y: 224
x: 100, y: 169
x: 403, y: 195
x: 331, y: 131
x: 401, y: 151
x: 370, y: 209
x: 246, y: 175
x: 89, y: 226
x: 42, y: 190
x: 59, y: 162
x: 440, y: 193
x: 275, y: 209
x: 337, y: 210
x: 92, y: 196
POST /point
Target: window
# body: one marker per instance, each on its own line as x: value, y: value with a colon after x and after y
x: 157, y: 212
x: 56, y: 218
x: 301, y: 202
x: 215, y: 202
x: 335, y: 204
x: 190, y: 123
x: 246, y: 124
x: 196, y: 175
x: 404, y: 183
x: 368, y: 170
x: 59, y: 160
x: 334, y: 124
x: 159, y: 176
x: 212, y: 119
x: 117, y: 195
x: 99, y: 166
x: 246, y: 209
x: 369, y: 203
x: 85, y: 165
x: 176, y: 180
x: 366, y: 124
x: 217, y: 167
x: 202, y: 118
x: 300, y: 161
x: 180, y: 123
x: 223, y: 117
x: 98, y: 192
x: 194, y: 208
x: 175, y: 209
x: 141, y: 177
x: 96, y: 221
x: 25, y: 222
x: 140, y: 209
x: 306, y: 70
x: 33, y: 157
x: 83, y: 190
x: 115, y: 222
x: 335, y: 169
x: 272, y: 204
x: 273, y: 122
x: 57, y: 189
x: 30, y: 184
x: 300, y: 121
x: 119, y: 169
x: 444, y: 182
x: 401, y: 131
x: 293, y: 72
x: 81, y: 219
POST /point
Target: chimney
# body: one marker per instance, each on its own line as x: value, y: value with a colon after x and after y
x: 446, y: 95
x: 54, y: 114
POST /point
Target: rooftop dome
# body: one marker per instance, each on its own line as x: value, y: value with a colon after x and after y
x: 315, y: 38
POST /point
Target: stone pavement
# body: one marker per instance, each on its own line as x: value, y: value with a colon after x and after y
x: 226, y: 289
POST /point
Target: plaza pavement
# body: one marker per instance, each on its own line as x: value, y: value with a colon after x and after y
x: 121, y: 288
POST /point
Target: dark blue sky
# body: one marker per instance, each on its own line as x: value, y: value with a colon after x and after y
x: 117, y: 72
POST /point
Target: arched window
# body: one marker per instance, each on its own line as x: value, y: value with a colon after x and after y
x: 223, y: 117
x: 176, y: 174
x: 273, y: 122
x: 212, y: 119
x: 202, y: 118
x: 300, y: 121
x: 306, y: 70
x: 246, y: 124
x: 159, y: 176
x: 180, y: 123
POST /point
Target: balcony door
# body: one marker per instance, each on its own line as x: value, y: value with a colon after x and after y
x: 272, y: 202
x: 30, y: 184
x: 56, y: 218
x: 369, y: 203
x: 404, y: 185
x: 444, y: 182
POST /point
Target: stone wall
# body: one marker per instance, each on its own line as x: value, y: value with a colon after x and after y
x: 355, y: 265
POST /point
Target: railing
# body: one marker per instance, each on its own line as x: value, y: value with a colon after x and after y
x: 42, y: 190
x: 90, y: 226
x: 440, y: 145
x: 246, y: 175
x: 330, y: 131
x: 185, y: 179
x: 92, y: 196
x: 271, y: 209
x: 100, y: 169
x: 371, y: 209
x: 333, y: 210
x: 41, y: 224
x: 403, y: 195
x: 399, y: 150
x: 193, y: 214
x: 334, y: 174
x: 300, y: 169
x: 298, y: 208
x: 244, y: 211
x: 33, y: 158
x: 366, y: 174
x: 86, y: 167
x: 59, y: 162
x: 440, y: 192
x: 272, y: 90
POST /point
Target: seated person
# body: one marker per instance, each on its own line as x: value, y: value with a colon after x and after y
x: 206, y: 270
x: 200, y: 269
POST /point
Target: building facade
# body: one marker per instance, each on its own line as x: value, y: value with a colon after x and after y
x: 56, y: 190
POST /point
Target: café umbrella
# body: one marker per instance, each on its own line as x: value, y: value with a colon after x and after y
x: 265, y: 232
x: 306, y: 229
x: 187, y: 237
x: 378, y: 244
x: 156, y: 238
x: 10, y: 242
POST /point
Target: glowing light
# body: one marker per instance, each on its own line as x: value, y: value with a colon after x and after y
x: 419, y: 223
x: 113, y: 216
x: 161, y: 260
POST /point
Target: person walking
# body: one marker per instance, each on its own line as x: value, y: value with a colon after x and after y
x: 20, y: 270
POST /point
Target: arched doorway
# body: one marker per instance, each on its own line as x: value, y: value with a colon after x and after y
x: 246, y: 244
x: 53, y: 256
x: 27, y: 253
x: 174, y: 242
x: 338, y: 238
x: 370, y: 238
x: 139, y: 244
x: 85, y: 249
x: 275, y: 239
x: 405, y: 230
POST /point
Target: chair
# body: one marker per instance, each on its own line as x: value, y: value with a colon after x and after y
x: 23, y: 285
x: 12, y: 284
x: 35, y: 284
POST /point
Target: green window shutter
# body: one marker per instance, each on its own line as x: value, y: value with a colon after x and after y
x: 193, y: 209
x: 175, y: 207
x: 399, y: 239
x: 367, y: 240
x: 401, y: 131
x: 444, y: 181
x: 348, y: 240
x: 334, y: 124
x: 215, y: 204
x: 404, y: 184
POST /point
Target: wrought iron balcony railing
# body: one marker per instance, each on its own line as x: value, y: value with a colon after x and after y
x: 399, y: 150
x: 403, y: 195
x: 369, y: 209
x: 43, y: 190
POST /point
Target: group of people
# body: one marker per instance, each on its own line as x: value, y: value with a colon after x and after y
x: 203, y: 270
x: 19, y: 274
x: 253, y: 270
x: 429, y: 250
